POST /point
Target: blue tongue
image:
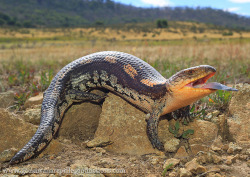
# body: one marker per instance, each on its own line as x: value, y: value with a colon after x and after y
x: 218, y: 86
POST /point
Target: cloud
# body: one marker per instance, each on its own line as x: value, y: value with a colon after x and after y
x: 159, y: 3
x: 240, y: 1
x: 232, y: 9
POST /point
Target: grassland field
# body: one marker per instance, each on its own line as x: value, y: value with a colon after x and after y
x: 31, y: 57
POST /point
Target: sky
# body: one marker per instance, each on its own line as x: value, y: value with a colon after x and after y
x: 241, y: 7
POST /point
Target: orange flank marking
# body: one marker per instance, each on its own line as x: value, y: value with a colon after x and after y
x: 110, y: 59
x: 130, y: 70
x: 148, y: 82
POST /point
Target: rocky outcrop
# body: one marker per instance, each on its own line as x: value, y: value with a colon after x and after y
x: 239, y: 108
x: 125, y: 126
x: 14, y: 131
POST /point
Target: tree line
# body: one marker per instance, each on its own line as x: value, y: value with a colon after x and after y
x: 85, y: 13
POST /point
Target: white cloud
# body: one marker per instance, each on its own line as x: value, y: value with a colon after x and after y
x: 232, y: 9
x: 159, y: 3
x: 240, y: 1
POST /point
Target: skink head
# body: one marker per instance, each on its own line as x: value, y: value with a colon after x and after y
x: 186, y: 87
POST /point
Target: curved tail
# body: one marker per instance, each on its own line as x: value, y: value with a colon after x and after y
x: 49, y: 123
x: 33, y: 147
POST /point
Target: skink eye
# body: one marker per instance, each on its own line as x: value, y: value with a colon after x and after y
x: 191, y: 71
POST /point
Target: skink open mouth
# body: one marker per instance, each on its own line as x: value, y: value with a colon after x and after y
x: 201, y: 84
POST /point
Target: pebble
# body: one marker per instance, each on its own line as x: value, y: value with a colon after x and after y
x: 172, y: 145
x: 233, y: 147
x: 171, y: 161
x: 100, y: 150
x: 230, y: 160
x: 185, y: 173
x: 194, y: 167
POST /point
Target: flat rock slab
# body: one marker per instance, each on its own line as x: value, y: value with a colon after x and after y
x: 125, y: 126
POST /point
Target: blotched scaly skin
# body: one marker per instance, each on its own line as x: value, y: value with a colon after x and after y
x: 126, y: 75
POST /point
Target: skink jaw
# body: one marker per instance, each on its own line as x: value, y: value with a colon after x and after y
x: 191, y: 77
x: 199, y: 83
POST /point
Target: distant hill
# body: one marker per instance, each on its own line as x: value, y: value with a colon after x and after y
x: 80, y: 13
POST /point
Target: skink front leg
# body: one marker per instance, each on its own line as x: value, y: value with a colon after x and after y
x: 152, y: 131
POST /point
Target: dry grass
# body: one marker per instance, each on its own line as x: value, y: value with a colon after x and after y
x: 27, y: 66
x: 230, y: 58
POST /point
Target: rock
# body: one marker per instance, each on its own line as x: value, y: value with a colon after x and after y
x: 247, y: 152
x: 171, y: 145
x: 106, y: 163
x: 155, y: 160
x: 217, y: 144
x: 215, y: 169
x: 7, y: 154
x: 99, y: 141
x: 173, y: 174
x: 171, y: 161
x: 100, y: 150
x: 204, y: 132
x: 243, y: 157
x: 195, y: 148
x: 80, y: 122
x: 230, y: 160
x: 125, y: 125
x: 133, y: 159
x: 225, y: 147
x: 181, y: 153
x: 214, y: 175
x: 233, y: 147
x: 151, y: 175
x: 14, y: 131
x: 216, y: 159
x: 118, y: 120
x: 209, y: 157
x: 194, y: 167
x: 53, y: 149
x: 248, y: 163
x: 185, y: 173
x: 7, y: 99
x: 239, y: 108
x: 33, y: 116
x: 212, y: 116
x: 33, y: 101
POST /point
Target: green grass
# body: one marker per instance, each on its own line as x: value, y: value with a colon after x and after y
x: 166, y: 169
